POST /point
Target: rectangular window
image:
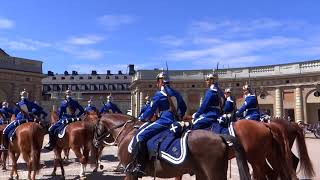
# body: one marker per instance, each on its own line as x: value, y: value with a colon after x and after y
x: 101, y: 87
x: 83, y: 87
x: 74, y: 87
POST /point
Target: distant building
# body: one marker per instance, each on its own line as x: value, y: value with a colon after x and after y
x: 283, y: 90
x: 86, y: 86
x: 17, y: 74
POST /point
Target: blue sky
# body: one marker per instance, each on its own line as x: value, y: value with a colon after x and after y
x: 87, y: 35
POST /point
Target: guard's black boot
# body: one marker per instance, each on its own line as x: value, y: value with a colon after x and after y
x: 5, y: 144
x: 51, y: 143
x: 138, y: 170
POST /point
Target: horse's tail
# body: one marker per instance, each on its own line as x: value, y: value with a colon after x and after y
x: 282, y: 151
x: 305, y: 162
x: 240, y: 156
x: 36, y: 148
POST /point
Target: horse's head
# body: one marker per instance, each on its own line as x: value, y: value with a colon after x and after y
x: 92, y: 116
x: 108, y: 128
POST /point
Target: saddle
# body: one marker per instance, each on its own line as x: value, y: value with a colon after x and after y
x: 169, y: 145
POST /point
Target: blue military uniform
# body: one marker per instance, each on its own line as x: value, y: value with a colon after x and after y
x: 209, y: 110
x: 162, y: 103
x: 90, y: 108
x: 228, y: 107
x: 249, y: 109
x: 5, y: 115
x: 27, y: 111
x: 144, y: 108
x: 110, y: 107
x: 67, y: 114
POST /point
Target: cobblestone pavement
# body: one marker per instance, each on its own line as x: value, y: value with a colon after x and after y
x: 109, y: 160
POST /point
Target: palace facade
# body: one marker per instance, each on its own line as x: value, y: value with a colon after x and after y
x: 85, y: 86
x: 17, y: 74
x: 283, y: 90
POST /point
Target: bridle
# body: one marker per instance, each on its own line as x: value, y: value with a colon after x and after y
x: 108, y: 133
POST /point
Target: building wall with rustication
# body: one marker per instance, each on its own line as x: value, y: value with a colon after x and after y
x: 17, y: 74
x: 283, y: 90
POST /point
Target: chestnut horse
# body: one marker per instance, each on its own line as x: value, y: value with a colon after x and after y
x: 207, y: 154
x: 261, y: 141
x: 78, y: 135
x: 292, y: 131
x: 28, y: 142
x: 4, y: 154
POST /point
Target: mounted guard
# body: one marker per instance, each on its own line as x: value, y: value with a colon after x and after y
x: 67, y: 114
x: 5, y: 113
x: 162, y: 102
x: 249, y: 109
x: 210, y: 110
x: 110, y: 107
x: 90, y: 107
x: 28, y: 112
x: 228, y: 108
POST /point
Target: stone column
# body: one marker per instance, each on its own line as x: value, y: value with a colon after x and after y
x: 202, y: 93
x: 278, y: 103
x: 299, y: 105
x: 141, y: 101
x: 132, y: 103
x: 137, y: 110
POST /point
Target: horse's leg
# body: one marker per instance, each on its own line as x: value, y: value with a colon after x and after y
x: 14, y: 157
x: 81, y: 158
x: 130, y: 178
x: 178, y: 178
x: 295, y: 161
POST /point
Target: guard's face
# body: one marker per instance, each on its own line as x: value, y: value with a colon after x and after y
x: 209, y: 82
x: 160, y: 83
x: 226, y: 95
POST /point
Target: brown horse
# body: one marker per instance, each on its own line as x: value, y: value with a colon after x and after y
x: 4, y: 154
x: 261, y: 141
x: 28, y: 142
x: 292, y: 131
x: 78, y: 135
x: 207, y: 154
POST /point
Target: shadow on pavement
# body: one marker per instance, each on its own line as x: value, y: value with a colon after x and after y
x: 110, y: 158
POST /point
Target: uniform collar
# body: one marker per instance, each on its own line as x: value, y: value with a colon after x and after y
x: 163, y: 91
x: 213, y: 87
x: 248, y: 95
x: 229, y: 99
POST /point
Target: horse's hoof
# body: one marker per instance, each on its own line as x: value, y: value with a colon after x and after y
x: 95, y: 170
x: 17, y: 177
x: 101, y: 167
x: 53, y: 174
x: 10, y: 178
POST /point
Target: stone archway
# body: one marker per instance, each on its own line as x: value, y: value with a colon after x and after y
x: 312, y: 107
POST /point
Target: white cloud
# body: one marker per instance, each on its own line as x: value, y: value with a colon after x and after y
x: 23, y: 44
x: 114, y: 21
x: 83, y: 53
x: 168, y: 40
x: 85, y: 40
x: 6, y: 23
x: 234, y: 49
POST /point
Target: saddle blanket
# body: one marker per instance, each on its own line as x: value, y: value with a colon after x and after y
x: 166, y: 146
x: 16, y: 124
x: 61, y: 131
x: 219, y: 129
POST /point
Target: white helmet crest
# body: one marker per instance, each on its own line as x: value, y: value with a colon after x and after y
x: 24, y: 94
x: 211, y: 76
x: 164, y: 76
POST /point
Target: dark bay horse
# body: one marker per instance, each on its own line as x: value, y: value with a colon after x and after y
x: 291, y: 131
x: 78, y: 136
x: 260, y: 141
x: 28, y: 142
x: 207, y: 154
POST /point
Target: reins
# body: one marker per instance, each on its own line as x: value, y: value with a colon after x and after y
x: 108, y: 132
